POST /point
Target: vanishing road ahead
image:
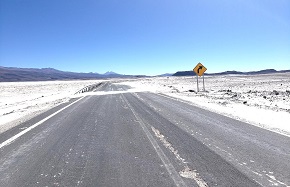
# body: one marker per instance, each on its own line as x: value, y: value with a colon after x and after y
x: 117, y: 138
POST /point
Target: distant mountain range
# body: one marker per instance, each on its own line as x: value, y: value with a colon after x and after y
x: 165, y: 75
x: 110, y: 73
x: 266, y: 71
x: 11, y: 74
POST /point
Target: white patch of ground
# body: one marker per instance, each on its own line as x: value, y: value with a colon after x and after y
x: 261, y: 100
x: 21, y: 101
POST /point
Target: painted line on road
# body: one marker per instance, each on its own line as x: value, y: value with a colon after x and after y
x: 186, y: 172
x: 169, y: 167
x: 13, y: 138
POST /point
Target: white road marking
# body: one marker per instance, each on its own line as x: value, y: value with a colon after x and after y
x: 13, y: 138
x: 186, y: 172
x: 168, y: 165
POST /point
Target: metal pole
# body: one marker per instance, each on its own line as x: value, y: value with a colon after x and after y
x: 197, y: 83
x: 203, y: 82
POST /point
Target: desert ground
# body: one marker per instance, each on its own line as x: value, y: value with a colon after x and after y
x: 260, y: 100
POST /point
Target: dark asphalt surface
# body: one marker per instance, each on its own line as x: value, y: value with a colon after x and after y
x: 142, y: 139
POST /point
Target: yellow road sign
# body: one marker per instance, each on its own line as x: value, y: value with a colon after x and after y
x: 199, y: 69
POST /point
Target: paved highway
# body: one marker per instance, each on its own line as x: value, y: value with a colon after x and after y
x: 140, y: 139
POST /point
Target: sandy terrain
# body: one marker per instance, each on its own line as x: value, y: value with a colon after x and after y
x: 262, y: 100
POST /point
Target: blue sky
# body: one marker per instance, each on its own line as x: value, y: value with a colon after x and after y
x: 145, y: 36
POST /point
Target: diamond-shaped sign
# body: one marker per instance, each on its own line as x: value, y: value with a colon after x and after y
x: 199, y: 69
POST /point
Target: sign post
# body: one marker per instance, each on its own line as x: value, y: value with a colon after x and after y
x: 199, y: 70
x: 203, y: 82
x: 197, y: 83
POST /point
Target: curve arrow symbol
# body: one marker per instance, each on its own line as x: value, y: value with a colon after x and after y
x: 199, y: 68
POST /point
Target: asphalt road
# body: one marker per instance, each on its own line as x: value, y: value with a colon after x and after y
x: 140, y: 139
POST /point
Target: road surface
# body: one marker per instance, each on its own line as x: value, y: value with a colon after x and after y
x: 118, y: 138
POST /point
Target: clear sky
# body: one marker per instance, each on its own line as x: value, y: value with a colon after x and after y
x: 145, y: 36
